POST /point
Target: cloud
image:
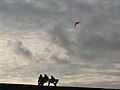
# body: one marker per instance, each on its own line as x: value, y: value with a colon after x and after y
x: 47, y: 37
x: 59, y: 36
x: 60, y: 61
x: 21, y: 50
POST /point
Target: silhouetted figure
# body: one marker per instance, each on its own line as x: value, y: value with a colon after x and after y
x: 53, y: 80
x: 40, y: 80
x: 45, y: 76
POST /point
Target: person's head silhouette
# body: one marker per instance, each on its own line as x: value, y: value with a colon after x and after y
x: 52, y: 77
x: 40, y: 75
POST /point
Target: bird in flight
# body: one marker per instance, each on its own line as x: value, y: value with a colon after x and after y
x: 76, y: 23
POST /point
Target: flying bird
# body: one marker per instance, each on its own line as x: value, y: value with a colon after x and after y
x: 76, y: 23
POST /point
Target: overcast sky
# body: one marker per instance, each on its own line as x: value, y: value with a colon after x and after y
x: 38, y: 36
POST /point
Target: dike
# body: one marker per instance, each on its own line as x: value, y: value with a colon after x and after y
x: 4, y: 86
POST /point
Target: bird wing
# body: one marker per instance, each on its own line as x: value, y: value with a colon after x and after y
x: 76, y: 23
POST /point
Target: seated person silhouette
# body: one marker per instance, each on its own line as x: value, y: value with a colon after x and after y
x: 52, y: 78
x: 40, y: 80
x: 45, y: 76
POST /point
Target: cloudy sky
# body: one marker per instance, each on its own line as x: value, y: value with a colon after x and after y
x: 37, y: 36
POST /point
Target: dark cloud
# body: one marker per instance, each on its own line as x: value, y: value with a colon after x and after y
x: 60, y: 37
x: 21, y: 50
x: 60, y: 61
x: 40, y: 9
x: 98, y: 42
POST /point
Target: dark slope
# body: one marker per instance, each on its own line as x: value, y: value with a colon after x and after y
x: 35, y: 87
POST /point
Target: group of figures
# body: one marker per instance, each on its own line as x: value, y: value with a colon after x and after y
x: 46, y: 79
